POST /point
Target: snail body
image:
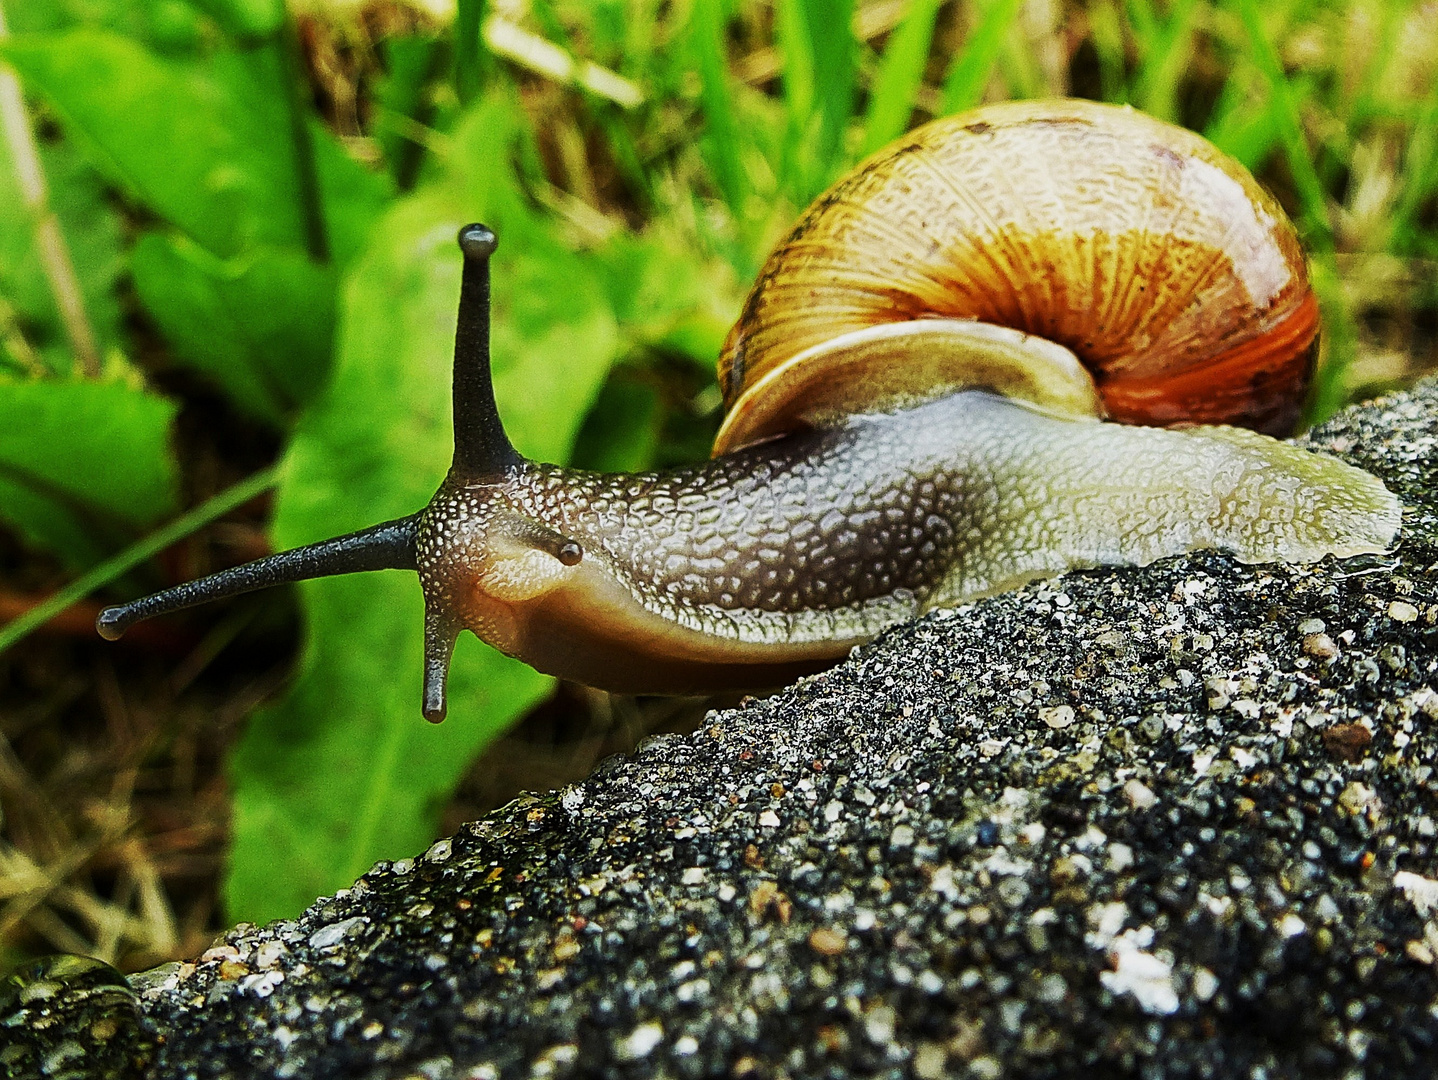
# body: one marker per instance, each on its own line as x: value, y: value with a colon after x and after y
x: 918, y: 394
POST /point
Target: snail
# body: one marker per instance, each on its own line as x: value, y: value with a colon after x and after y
x: 961, y: 370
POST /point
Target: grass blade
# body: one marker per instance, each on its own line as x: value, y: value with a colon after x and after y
x: 721, y: 138
x: 1420, y: 174
x: 817, y: 44
x: 1290, y: 126
x: 1167, y: 54
x: 969, y: 74
x: 832, y: 42
x: 1337, y: 319
x: 468, y: 46
x: 1106, y: 33
x: 891, y: 102
x: 138, y: 552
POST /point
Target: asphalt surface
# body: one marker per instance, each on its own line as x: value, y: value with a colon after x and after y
x: 1174, y: 822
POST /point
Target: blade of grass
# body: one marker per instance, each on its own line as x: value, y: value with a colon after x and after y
x: 891, y: 101
x: 121, y: 563
x: 1166, y: 58
x: 817, y: 43
x: 1106, y: 32
x: 791, y: 35
x: 832, y: 40
x: 468, y: 57
x: 1391, y: 16
x: 50, y: 242
x: 1290, y: 125
x: 721, y: 137
x: 969, y: 73
x: 1420, y: 174
x: 1328, y: 392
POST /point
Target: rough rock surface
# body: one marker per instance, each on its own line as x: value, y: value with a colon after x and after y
x: 1177, y: 822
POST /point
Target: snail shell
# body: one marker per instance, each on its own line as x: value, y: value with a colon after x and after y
x: 1156, y: 260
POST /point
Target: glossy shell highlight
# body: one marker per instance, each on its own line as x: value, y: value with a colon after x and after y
x: 1159, y: 261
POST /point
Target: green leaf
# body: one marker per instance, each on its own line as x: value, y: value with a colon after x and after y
x: 401, y: 100
x: 664, y: 297
x: 83, y: 465
x: 245, y: 18
x: 261, y: 326
x: 343, y: 771
x: 622, y: 431
x: 163, y: 22
x: 354, y: 196
x: 206, y: 147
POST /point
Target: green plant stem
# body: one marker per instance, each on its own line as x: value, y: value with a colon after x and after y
x: 54, y: 253
x: 138, y: 552
x: 468, y: 47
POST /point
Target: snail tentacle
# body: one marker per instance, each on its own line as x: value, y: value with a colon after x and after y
x: 481, y: 447
x: 387, y: 546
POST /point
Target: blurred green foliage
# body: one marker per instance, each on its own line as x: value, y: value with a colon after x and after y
x: 304, y: 266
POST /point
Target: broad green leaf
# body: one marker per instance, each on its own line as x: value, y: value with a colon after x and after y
x: 202, y: 146
x: 260, y: 325
x: 354, y: 196
x: 92, y: 233
x: 662, y: 296
x: 344, y: 771
x: 622, y: 432
x: 84, y: 465
x: 163, y: 23
x: 401, y: 99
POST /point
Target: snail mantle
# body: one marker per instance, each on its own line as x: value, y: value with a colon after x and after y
x: 1173, y: 821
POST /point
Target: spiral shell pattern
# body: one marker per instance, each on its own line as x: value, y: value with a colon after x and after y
x: 1175, y: 278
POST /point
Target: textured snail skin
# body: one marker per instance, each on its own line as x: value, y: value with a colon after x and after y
x: 916, y: 395
x: 774, y: 560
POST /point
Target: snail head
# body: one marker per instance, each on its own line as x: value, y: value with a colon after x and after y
x: 479, y: 556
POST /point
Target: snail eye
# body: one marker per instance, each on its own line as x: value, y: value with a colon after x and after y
x: 569, y: 553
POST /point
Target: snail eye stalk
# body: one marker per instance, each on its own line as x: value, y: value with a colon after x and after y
x: 482, y: 451
x: 481, y: 448
x: 389, y: 546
